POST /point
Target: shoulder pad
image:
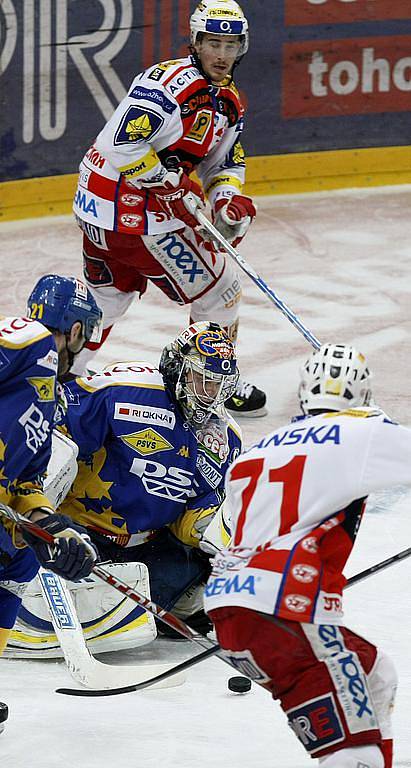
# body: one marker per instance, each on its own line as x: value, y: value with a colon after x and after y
x: 133, y: 374
x: 20, y: 332
x: 157, y: 72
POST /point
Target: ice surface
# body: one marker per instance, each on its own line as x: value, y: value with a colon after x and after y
x: 341, y: 261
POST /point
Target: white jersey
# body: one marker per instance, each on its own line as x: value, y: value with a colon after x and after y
x: 296, y: 501
x: 171, y: 117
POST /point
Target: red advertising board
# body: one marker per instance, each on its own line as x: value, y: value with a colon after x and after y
x: 344, y: 11
x: 346, y: 77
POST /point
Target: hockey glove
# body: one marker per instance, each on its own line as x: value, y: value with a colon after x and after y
x: 170, y: 194
x: 232, y: 217
x: 73, y: 554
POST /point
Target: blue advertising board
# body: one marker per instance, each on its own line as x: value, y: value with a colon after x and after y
x: 319, y: 75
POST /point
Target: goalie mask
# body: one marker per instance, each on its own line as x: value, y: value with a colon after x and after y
x: 220, y: 17
x: 200, y: 368
x: 59, y: 302
x: 335, y: 377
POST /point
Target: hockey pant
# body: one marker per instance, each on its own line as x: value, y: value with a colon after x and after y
x: 17, y: 568
x: 334, y: 686
x: 117, y: 266
x: 173, y: 567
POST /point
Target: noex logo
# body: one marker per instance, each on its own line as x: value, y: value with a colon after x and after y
x: 347, y: 77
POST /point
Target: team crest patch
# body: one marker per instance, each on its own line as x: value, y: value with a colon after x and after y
x: 200, y: 127
x: 146, y: 442
x: 214, y: 344
x: 45, y: 387
x: 138, y: 125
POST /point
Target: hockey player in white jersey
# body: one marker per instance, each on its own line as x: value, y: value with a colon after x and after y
x: 178, y: 117
x: 296, y: 499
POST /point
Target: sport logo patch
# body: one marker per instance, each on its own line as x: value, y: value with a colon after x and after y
x: 214, y: 344
x: 50, y: 361
x: 304, y: 573
x: 297, y: 603
x: 316, y: 723
x: 170, y: 483
x: 347, y: 674
x: 138, y: 125
x: 213, y: 477
x: 214, y: 442
x: 45, y: 387
x: 145, y: 414
x: 57, y: 601
x: 36, y: 427
x: 130, y: 219
x: 146, y: 442
x: 200, y: 126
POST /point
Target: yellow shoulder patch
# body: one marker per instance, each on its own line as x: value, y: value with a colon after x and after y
x: 44, y: 386
x: 146, y: 442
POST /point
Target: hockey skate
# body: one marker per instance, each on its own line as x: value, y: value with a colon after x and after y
x: 4, y: 713
x: 247, y: 401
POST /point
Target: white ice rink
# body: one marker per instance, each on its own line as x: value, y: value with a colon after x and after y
x: 342, y: 262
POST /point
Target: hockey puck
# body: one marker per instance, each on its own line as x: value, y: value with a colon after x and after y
x: 239, y: 684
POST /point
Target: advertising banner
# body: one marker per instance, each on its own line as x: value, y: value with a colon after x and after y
x: 319, y: 75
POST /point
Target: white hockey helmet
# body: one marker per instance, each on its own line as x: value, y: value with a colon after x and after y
x: 335, y: 377
x: 220, y: 17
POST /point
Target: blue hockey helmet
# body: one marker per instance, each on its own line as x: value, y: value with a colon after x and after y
x: 59, y: 302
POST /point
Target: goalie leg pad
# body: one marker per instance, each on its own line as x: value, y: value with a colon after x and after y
x: 110, y: 621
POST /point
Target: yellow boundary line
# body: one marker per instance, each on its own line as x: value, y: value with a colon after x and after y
x: 266, y: 175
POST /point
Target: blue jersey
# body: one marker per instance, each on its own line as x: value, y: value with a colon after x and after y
x: 140, y: 464
x: 28, y: 367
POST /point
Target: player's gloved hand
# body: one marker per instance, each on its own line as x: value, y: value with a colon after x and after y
x: 72, y: 556
x: 171, y: 192
x: 233, y: 216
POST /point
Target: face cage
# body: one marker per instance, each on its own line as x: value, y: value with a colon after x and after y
x: 199, y: 406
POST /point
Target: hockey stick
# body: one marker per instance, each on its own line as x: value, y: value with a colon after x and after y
x: 166, y: 616
x: 192, y: 205
x: 82, y: 665
x: 213, y: 650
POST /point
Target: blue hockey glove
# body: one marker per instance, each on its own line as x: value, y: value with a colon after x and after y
x: 72, y: 556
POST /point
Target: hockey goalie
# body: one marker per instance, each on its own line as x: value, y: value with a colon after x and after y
x: 144, y: 473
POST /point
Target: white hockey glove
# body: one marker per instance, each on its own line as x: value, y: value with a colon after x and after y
x: 232, y: 217
x: 170, y: 193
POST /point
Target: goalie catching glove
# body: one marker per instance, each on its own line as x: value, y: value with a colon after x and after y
x: 170, y: 194
x: 207, y: 529
x: 232, y: 217
x: 72, y: 556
